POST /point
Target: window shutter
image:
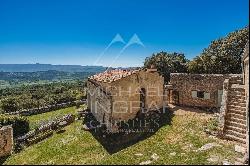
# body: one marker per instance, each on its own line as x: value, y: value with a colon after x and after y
x: 194, y: 94
x: 207, y: 96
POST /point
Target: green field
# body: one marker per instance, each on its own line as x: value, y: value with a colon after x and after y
x: 173, y: 144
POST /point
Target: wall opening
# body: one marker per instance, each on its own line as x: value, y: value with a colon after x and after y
x: 175, y: 97
x: 142, y: 99
x: 200, y: 94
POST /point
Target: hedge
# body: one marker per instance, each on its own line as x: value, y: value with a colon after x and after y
x: 20, y: 124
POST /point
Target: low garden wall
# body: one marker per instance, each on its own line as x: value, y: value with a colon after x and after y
x: 19, y: 124
x: 44, y: 131
x: 47, y: 108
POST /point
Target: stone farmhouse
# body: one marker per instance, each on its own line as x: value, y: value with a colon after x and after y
x: 119, y: 95
x: 198, y: 90
x: 228, y: 93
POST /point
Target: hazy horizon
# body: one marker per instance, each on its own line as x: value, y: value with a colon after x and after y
x: 73, y: 33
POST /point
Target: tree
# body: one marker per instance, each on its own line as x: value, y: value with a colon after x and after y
x: 10, y: 105
x: 223, y: 56
x: 167, y: 63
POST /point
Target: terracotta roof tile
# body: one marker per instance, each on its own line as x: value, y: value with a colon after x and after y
x: 112, y: 75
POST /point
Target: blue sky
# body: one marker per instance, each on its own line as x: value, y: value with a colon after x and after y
x: 77, y: 31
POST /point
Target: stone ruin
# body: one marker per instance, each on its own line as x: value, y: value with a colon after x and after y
x: 119, y: 95
x: 226, y: 93
x: 44, y: 131
x: 6, y: 140
x: 198, y: 90
x: 48, y: 108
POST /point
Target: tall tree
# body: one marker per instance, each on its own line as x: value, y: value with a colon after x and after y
x: 10, y: 104
x: 167, y: 63
x: 223, y: 56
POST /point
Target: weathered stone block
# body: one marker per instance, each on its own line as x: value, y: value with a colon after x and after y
x: 119, y: 95
x: 6, y: 140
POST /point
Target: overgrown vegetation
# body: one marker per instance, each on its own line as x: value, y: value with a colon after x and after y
x: 36, y: 120
x: 20, y: 124
x: 36, y: 96
x: 174, y: 144
x: 17, y: 79
x: 167, y: 63
x: 223, y: 56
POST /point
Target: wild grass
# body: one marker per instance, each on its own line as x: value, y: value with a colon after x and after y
x: 174, y: 144
x: 36, y: 120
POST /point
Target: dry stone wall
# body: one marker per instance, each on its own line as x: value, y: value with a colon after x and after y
x: 246, y: 82
x: 99, y: 102
x: 47, y: 108
x: 187, y: 86
x: 121, y: 99
x: 44, y: 130
x: 126, y: 94
x: 6, y: 140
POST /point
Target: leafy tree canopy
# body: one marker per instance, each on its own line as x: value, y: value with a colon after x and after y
x: 223, y: 56
x: 167, y: 63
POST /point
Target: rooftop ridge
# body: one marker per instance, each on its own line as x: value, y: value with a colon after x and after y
x: 113, y: 75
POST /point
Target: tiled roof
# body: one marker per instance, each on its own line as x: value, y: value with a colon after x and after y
x: 112, y: 75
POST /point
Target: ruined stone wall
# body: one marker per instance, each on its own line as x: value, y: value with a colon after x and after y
x: 99, y: 102
x: 246, y: 83
x: 246, y: 72
x: 126, y: 94
x: 120, y: 99
x: 6, y: 140
x: 187, y: 86
x: 224, y: 107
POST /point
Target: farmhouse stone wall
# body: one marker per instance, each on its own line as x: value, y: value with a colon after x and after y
x: 224, y: 103
x: 120, y: 100
x: 185, y: 84
x: 246, y: 83
x: 6, y: 140
x: 99, y: 102
x: 126, y: 94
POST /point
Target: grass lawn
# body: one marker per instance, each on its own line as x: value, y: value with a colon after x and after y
x: 35, y: 120
x: 174, y: 144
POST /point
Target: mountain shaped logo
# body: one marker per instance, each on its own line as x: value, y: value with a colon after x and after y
x: 134, y: 40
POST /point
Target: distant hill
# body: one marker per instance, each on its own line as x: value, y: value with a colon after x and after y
x: 47, y: 67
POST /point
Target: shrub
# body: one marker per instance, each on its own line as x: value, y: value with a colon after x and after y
x: 20, y: 124
x: 212, y: 126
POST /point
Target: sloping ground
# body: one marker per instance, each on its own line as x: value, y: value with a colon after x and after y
x: 35, y: 120
x: 177, y: 143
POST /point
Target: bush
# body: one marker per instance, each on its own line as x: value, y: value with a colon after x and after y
x: 212, y: 126
x: 20, y: 124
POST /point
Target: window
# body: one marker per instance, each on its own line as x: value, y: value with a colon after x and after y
x: 200, y: 95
